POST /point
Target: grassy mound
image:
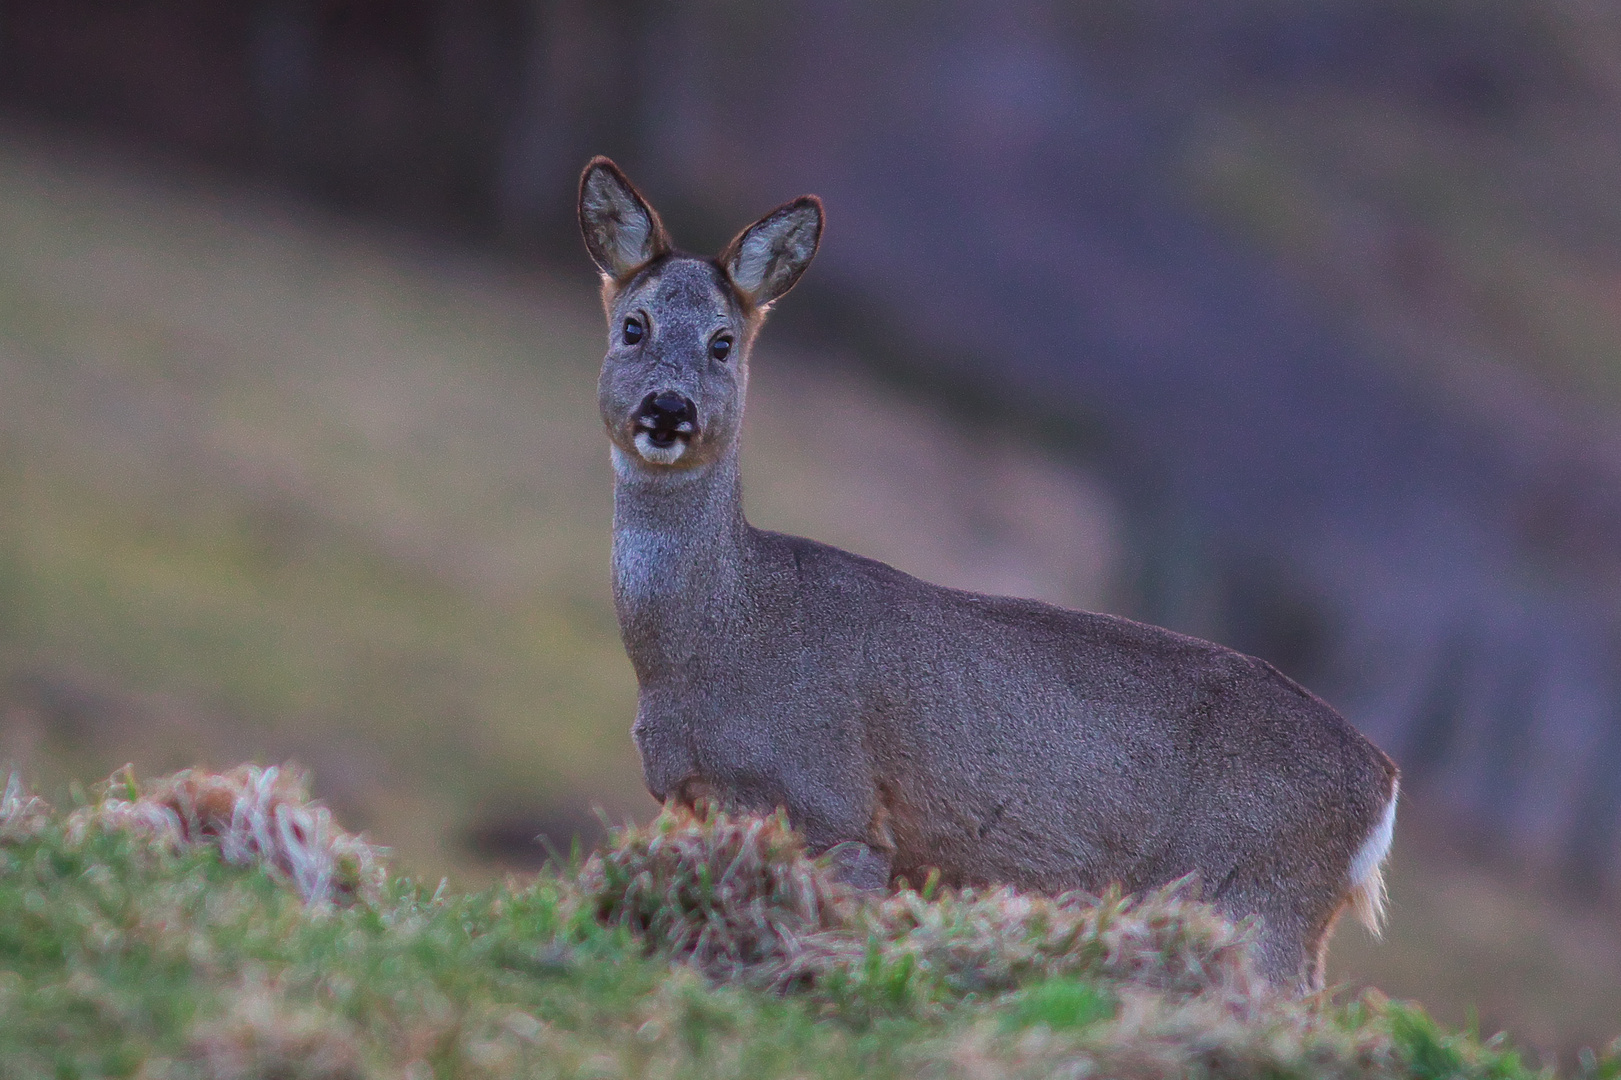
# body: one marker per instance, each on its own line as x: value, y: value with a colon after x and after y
x: 739, y: 899
x: 159, y: 931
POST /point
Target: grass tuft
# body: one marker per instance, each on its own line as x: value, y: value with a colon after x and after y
x: 252, y: 816
x: 165, y: 930
x: 23, y: 816
x: 739, y: 898
x: 994, y: 940
x: 734, y: 897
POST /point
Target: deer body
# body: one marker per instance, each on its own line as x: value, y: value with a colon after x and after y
x: 910, y: 727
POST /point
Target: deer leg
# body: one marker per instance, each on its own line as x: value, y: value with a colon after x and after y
x: 860, y: 866
x: 832, y: 828
x: 1288, y: 953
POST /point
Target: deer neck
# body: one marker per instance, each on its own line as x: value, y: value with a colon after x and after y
x: 679, y: 541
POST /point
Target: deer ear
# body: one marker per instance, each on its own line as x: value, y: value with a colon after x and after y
x: 621, y: 231
x: 767, y: 258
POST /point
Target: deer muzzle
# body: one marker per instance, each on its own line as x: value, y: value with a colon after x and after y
x: 664, y: 426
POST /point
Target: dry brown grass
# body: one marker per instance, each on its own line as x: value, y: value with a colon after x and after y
x: 23, y: 815
x: 553, y: 978
x: 739, y: 897
x: 735, y: 897
x: 251, y: 815
x: 995, y: 940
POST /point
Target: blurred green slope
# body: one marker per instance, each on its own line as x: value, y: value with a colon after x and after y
x: 1460, y: 218
x: 273, y: 485
x: 270, y: 490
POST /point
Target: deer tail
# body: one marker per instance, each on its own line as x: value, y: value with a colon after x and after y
x: 1368, y: 869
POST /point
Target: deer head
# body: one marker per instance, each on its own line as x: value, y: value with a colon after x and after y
x: 680, y: 327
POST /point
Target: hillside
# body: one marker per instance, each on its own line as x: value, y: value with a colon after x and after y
x: 273, y: 485
x: 152, y: 933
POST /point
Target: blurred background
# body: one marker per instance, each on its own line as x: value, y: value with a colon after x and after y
x: 1295, y: 324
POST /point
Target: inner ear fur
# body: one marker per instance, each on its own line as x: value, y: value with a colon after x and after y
x: 622, y: 232
x: 765, y: 259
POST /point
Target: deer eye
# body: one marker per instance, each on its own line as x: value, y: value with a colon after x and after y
x: 720, y: 348
x: 633, y: 331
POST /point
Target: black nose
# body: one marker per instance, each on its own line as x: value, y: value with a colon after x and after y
x: 668, y: 411
x: 666, y: 417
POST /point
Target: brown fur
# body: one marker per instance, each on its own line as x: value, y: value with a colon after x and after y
x: 911, y: 728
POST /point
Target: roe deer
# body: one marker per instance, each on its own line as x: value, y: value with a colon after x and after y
x: 909, y: 727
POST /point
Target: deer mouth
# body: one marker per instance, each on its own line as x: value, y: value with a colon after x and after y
x: 662, y: 443
x: 664, y: 426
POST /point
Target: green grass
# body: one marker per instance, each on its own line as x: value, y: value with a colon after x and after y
x: 274, y: 486
x: 695, y: 947
x: 269, y: 487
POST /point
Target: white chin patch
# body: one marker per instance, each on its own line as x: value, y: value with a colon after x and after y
x: 659, y: 455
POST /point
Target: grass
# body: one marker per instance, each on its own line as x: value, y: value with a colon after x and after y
x: 695, y: 946
x: 274, y: 486
x: 268, y: 490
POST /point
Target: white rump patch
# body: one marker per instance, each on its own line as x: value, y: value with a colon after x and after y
x: 659, y: 455
x: 1368, y: 870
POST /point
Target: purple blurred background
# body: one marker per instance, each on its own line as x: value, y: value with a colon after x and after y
x: 1329, y: 293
